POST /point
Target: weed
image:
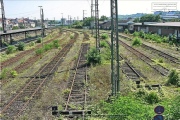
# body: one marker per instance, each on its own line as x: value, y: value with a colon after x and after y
x: 93, y: 56
x: 160, y: 61
x: 66, y: 91
x: 152, y: 98
x: 126, y: 31
x: 39, y: 51
x: 39, y: 40
x: 104, y: 44
x: 71, y: 36
x: 174, y: 78
x: 32, y: 44
x: 104, y: 36
x: 136, y: 41
x: 13, y: 73
x: 10, y: 49
x: 20, y: 46
x: 4, y: 73
x: 56, y: 43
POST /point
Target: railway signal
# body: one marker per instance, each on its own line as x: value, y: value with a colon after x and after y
x: 114, y: 49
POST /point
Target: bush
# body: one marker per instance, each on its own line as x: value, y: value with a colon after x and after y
x: 135, y: 34
x: 71, y: 36
x: 126, y: 31
x: 39, y: 40
x: 104, y: 36
x: 93, y: 56
x: 32, y: 44
x: 20, y: 46
x: 136, y: 42
x: 4, y: 73
x: 104, y: 44
x: 10, y: 49
x: 152, y: 98
x: 56, y: 43
x: 128, y: 107
x: 13, y: 73
x: 39, y: 51
x: 47, y: 47
x: 174, y: 78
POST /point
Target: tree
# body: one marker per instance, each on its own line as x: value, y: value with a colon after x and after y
x: 15, y: 28
x: 136, y: 20
x: 103, y: 17
x: 77, y: 24
x: 150, y: 18
x: 87, y: 21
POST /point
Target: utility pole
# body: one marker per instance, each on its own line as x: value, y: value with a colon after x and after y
x: 41, y: 17
x: 115, y: 79
x: 92, y: 17
x: 97, y: 24
x: 62, y: 19
x: 42, y: 24
x: 68, y: 20
x: 83, y: 14
x: 3, y: 17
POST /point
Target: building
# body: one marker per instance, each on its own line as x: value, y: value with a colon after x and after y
x: 166, y: 28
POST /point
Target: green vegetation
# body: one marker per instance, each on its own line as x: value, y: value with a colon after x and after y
x: 32, y: 44
x: 46, y: 47
x: 4, y: 73
x: 148, y: 18
x: 154, y: 37
x: 126, y: 31
x: 56, y: 44
x: 130, y: 108
x: 15, y: 28
x: 71, y: 36
x: 104, y: 36
x: 10, y: 49
x: 39, y: 40
x: 104, y: 44
x: 39, y: 51
x: 103, y: 18
x: 77, y: 24
x: 174, y: 78
x: 93, y: 56
x: 13, y: 73
x: 21, y: 46
x: 136, y: 41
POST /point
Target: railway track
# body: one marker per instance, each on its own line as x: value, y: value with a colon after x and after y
x: 32, y: 89
x: 162, y: 70
x: 22, y: 54
x: 33, y: 59
x: 130, y: 72
x: 77, y: 97
x: 160, y: 53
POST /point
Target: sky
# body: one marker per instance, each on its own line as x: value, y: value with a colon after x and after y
x: 55, y: 9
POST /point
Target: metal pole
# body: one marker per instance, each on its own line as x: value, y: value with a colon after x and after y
x: 92, y: 16
x: 3, y: 17
x: 97, y: 24
x: 114, y: 49
x: 62, y: 19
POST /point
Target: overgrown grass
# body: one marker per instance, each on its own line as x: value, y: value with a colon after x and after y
x: 21, y: 46
x: 104, y: 36
x: 136, y: 41
x: 93, y: 56
x: 46, y: 47
x: 174, y: 78
x: 10, y: 49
